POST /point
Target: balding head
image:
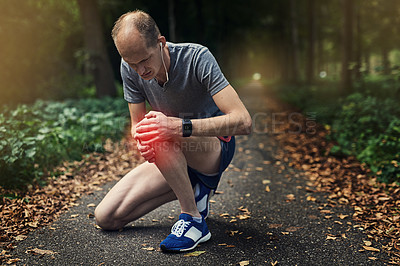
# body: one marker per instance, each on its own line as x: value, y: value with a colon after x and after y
x: 136, y: 22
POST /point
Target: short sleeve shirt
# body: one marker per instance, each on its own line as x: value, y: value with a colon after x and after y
x: 194, y: 77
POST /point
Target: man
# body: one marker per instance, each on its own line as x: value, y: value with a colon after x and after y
x: 180, y: 139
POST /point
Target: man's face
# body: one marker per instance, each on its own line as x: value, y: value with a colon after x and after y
x: 146, y: 61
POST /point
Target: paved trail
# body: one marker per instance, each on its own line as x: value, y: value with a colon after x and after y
x: 288, y: 230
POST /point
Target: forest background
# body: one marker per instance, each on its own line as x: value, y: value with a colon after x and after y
x: 61, y: 93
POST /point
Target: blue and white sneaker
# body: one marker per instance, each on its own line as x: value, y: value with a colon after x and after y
x: 202, y: 195
x: 186, y: 234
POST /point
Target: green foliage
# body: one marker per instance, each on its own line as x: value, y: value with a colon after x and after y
x: 369, y: 128
x: 321, y: 99
x: 35, y: 138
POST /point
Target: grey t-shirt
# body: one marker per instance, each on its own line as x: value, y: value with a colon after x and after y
x: 194, y: 77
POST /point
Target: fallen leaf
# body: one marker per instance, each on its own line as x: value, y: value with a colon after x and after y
x: 149, y: 249
x: 194, y: 253
x: 243, y: 216
x: 274, y: 263
x: 371, y: 249
x: 91, y: 205
x: 311, y: 198
x: 293, y: 228
x: 20, y: 237
x: 37, y: 251
x: 12, y: 261
x: 266, y: 181
x: 267, y: 189
x: 290, y: 197
x: 244, y: 262
x: 367, y: 243
x: 232, y: 233
x: 330, y: 237
x: 74, y: 215
x: 243, y: 209
x: 33, y: 224
x: 271, y: 226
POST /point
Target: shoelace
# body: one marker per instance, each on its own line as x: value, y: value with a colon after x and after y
x: 179, y: 227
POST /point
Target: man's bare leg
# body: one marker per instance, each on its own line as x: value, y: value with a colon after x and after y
x: 145, y: 187
x: 140, y: 191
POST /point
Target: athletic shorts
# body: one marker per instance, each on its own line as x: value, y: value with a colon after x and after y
x: 227, y: 151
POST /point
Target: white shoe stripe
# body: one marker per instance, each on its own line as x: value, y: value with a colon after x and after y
x: 193, y: 233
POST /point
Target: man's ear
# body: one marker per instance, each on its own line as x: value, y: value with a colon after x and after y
x: 162, y: 40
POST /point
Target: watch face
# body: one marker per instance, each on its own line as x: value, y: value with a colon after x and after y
x: 187, y: 127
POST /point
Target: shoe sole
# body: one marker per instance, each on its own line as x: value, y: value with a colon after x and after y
x: 201, y: 240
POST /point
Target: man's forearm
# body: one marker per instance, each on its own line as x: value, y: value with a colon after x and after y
x: 225, y: 125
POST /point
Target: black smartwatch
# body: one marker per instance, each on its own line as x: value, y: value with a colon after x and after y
x: 186, y: 127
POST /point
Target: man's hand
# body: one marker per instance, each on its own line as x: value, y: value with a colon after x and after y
x: 154, y: 129
x: 147, y: 152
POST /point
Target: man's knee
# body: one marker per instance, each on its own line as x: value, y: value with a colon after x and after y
x: 106, y: 220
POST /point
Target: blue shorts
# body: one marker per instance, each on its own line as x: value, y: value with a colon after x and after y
x: 227, y: 151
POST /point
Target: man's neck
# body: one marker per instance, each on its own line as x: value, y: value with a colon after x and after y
x: 162, y: 76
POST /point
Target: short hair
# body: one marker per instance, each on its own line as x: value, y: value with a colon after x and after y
x: 142, y: 21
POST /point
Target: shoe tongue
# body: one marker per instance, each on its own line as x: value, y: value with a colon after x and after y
x: 185, y: 217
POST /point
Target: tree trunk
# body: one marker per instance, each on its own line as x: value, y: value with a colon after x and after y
x: 358, y: 52
x: 99, y: 62
x: 295, y: 42
x: 171, y: 20
x: 311, y: 42
x: 367, y: 62
x: 347, y: 45
x: 385, y: 60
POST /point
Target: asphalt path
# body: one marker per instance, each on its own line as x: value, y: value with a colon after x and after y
x: 262, y: 215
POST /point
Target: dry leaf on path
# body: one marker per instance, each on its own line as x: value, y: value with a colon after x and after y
x: 271, y: 226
x: 37, y: 251
x: 290, y: 197
x: 194, y: 253
x: 21, y: 237
x: 371, y: 249
x: 245, y: 262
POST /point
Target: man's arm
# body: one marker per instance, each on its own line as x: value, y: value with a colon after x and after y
x: 236, y: 121
x: 137, y: 112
